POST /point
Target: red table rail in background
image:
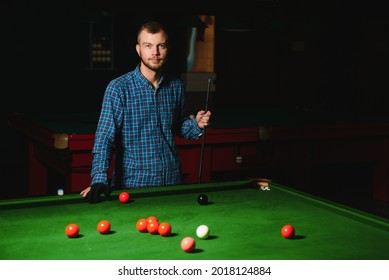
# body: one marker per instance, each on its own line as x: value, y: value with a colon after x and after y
x: 295, y: 144
x: 62, y: 144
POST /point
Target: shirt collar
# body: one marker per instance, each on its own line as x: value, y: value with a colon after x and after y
x: 139, y: 76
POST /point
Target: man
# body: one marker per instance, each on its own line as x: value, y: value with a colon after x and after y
x: 141, y: 113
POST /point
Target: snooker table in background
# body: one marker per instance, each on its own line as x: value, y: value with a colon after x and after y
x: 245, y: 224
x: 299, y: 148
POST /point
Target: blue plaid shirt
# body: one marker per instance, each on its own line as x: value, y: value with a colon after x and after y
x: 139, y: 123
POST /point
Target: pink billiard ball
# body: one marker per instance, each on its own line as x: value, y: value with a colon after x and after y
x: 287, y: 231
x: 188, y: 244
x: 124, y: 197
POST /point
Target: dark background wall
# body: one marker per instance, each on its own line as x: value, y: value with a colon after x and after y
x: 325, y: 55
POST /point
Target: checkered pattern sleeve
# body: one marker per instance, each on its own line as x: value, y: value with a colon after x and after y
x: 138, y: 124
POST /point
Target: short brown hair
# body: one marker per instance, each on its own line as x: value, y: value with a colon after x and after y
x: 153, y: 27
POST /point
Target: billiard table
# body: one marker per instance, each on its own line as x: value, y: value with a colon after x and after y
x: 297, y: 147
x: 244, y: 219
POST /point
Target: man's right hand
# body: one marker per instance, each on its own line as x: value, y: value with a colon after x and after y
x: 93, y: 193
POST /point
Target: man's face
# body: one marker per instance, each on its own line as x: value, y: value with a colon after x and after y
x: 152, y: 49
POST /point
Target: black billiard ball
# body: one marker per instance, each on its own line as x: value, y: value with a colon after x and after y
x: 202, y: 199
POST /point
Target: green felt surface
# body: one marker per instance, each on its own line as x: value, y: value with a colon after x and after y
x: 244, y: 222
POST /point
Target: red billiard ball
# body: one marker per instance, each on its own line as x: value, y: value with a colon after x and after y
x: 72, y: 230
x: 188, y: 244
x: 151, y: 219
x: 287, y: 231
x: 103, y: 226
x: 141, y: 225
x: 164, y: 229
x: 202, y: 199
x: 124, y: 197
x: 152, y: 227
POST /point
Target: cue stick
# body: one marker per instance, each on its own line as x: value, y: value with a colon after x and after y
x: 203, y: 140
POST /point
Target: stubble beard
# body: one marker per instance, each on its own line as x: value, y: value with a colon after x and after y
x: 152, y: 66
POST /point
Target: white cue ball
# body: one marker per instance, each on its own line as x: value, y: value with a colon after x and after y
x: 238, y: 159
x: 202, y: 232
